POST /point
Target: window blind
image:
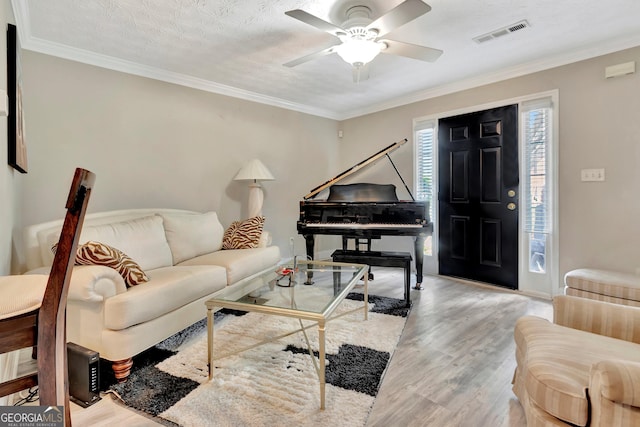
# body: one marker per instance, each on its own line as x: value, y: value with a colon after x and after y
x: 425, y: 163
x: 537, y: 115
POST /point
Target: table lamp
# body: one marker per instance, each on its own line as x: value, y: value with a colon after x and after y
x: 254, y: 171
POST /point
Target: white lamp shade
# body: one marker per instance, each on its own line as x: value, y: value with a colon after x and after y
x: 255, y: 170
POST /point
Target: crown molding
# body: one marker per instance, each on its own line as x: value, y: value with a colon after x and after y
x: 504, y: 74
x: 28, y: 42
x: 129, y: 67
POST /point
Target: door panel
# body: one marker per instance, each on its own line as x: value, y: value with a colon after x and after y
x: 491, y: 172
x: 478, y: 165
x: 460, y: 178
x: 459, y: 225
x: 490, y: 238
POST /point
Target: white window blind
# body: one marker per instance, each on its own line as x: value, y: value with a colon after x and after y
x: 537, y: 134
x: 425, y: 164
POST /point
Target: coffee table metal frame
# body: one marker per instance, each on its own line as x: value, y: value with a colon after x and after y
x: 320, y: 317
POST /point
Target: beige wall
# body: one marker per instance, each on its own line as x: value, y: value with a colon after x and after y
x: 599, y: 128
x: 154, y: 144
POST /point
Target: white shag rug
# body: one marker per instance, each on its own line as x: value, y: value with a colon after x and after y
x: 276, y: 383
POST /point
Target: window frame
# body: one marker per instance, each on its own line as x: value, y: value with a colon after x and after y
x: 549, y: 284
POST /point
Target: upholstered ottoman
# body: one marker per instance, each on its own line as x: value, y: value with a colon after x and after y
x: 603, y: 285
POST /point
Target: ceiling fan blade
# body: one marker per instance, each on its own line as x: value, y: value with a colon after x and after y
x: 361, y: 74
x: 314, y: 21
x: 310, y: 57
x: 398, y: 16
x: 409, y: 50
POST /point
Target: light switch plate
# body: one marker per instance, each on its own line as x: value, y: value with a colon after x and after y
x: 592, y: 174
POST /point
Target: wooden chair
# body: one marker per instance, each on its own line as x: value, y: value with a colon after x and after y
x: 32, y: 308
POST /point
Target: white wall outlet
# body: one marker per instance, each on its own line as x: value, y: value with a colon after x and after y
x: 592, y: 175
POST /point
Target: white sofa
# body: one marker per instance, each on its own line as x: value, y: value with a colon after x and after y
x: 180, y: 252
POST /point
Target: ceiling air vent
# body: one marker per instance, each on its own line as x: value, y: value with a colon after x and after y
x: 502, y: 32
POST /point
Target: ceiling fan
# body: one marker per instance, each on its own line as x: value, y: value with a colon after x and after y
x: 361, y: 37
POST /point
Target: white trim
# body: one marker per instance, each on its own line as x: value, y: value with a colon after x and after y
x: 554, y: 287
x: 547, y: 283
x: 430, y: 262
x: 9, y: 364
x: 498, y: 76
x: 116, y: 64
x: 28, y: 42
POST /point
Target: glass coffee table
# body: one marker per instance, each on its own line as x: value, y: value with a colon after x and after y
x: 281, y: 291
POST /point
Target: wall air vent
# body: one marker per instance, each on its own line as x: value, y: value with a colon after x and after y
x: 502, y: 32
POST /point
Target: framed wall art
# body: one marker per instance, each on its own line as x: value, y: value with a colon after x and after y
x: 17, y: 145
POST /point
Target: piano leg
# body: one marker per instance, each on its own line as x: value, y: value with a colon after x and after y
x: 419, y: 252
x: 310, y: 241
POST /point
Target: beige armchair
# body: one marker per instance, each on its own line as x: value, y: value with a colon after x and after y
x: 583, y: 369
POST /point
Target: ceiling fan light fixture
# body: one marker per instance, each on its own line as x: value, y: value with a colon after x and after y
x: 358, y: 52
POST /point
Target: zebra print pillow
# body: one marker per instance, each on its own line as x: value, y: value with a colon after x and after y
x: 243, y: 234
x: 96, y: 253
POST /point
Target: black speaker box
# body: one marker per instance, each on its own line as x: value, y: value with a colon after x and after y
x: 84, y: 375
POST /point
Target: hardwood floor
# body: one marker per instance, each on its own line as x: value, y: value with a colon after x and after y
x: 453, y: 365
x: 455, y: 360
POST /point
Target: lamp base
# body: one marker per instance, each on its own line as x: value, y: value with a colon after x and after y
x: 256, y: 198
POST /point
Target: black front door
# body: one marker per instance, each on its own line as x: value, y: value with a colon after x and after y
x: 478, y: 196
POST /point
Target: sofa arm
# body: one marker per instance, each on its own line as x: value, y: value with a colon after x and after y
x: 91, y: 283
x: 614, y: 391
x: 598, y: 317
x: 95, y: 283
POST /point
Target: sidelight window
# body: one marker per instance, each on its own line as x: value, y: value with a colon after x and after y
x: 537, y: 186
x: 424, y: 140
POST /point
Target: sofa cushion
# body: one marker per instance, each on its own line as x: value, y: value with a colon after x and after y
x: 239, y: 263
x: 190, y: 235
x: 96, y: 253
x: 142, y: 239
x: 243, y: 234
x: 558, y: 362
x: 168, y: 289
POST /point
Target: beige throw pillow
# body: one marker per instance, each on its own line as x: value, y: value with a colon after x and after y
x: 243, y: 234
x: 191, y: 235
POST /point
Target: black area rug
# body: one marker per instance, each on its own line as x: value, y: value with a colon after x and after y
x: 248, y: 389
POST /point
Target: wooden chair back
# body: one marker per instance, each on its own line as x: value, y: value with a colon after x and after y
x: 45, y: 328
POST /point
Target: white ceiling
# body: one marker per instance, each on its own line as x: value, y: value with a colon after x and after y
x: 237, y: 47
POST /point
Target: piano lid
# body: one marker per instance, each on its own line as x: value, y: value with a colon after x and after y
x: 357, y: 167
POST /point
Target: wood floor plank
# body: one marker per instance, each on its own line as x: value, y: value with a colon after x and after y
x: 455, y: 360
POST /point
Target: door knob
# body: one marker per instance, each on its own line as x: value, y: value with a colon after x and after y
x: 511, y: 193
x: 511, y: 206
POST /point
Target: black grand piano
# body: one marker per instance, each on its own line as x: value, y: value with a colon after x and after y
x: 365, y: 211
